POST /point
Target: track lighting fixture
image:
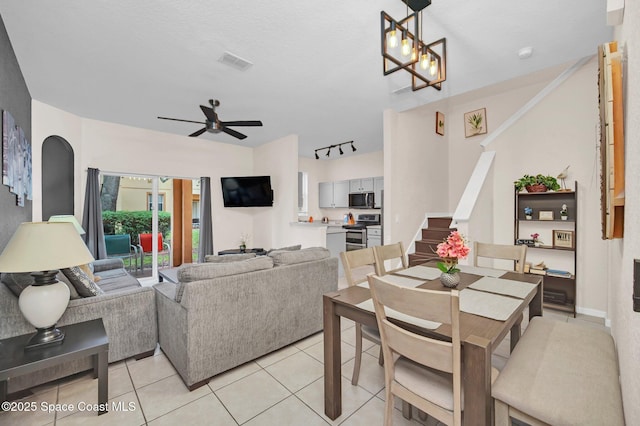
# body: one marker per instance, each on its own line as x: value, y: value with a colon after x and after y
x: 339, y: 146
x: 426, y: 62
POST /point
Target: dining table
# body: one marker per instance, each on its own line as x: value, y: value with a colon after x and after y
x: 492, y: 303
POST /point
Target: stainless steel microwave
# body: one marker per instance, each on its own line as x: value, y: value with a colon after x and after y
x: 361, y: 200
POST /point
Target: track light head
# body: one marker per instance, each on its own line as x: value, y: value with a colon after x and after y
x: 353, y: 148
x: 328, y: 152
x: 340, y: 150
x: 317, y: 158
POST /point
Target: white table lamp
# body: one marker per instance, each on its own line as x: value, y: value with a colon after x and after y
x: 42, y: 248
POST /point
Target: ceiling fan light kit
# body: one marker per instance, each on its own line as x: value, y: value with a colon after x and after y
x: 426, y: 62
x: 212, y: 124
x: 339, y: 146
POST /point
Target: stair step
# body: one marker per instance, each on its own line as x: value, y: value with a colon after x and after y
x: 439, y: 222
x: 427, y: 246
x: 419, y: 258
x: 435, y: 233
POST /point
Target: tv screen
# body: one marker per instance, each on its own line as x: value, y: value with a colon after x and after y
x: 247, y: 191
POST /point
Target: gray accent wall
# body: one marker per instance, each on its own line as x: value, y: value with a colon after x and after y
x: 15, y: 98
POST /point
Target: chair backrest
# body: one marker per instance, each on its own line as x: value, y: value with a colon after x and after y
x: 389, y: 252
x: 501, y: 251
x: 146, y: 242
x: 117, y: 244
x: 355, y: 259
x: 431, y: 305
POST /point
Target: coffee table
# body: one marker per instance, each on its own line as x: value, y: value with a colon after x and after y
x: 81, y: 340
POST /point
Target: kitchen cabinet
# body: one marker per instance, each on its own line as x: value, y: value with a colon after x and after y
x: 333, y: 194
x: 361, y: 185
x: 378, y: 186
x: 558, y: 247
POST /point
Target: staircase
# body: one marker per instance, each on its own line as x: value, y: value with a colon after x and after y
x: 437, y: 231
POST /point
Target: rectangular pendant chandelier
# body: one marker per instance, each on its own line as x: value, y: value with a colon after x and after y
x: 403, y: 49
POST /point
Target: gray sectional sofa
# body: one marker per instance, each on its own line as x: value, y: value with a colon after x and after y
x: 221, y: 315
x: 127, y: 309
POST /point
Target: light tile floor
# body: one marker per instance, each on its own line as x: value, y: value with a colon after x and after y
x: 282, y: 388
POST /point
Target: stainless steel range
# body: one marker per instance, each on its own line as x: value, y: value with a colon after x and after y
x: 357, y: 233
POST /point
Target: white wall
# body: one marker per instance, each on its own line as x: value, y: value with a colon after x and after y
x: 116, y: 148
x: 625, y: 323
x: 278, y: 159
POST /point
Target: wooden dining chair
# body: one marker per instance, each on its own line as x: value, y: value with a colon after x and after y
x: 423, y: 372
x: 352, y: 260
x: 389, y: 252
x: 501, y: 251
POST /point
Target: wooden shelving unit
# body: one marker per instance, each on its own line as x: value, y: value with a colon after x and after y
x: 559, y: 292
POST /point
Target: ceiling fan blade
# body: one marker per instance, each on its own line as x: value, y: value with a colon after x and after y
x: 209, y: 112
x: 233, y: 133
x: 199, y: 132
x: 242, y: 123
x: 179, y: 119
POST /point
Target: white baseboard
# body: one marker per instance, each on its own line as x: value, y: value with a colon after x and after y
x: 594, y: 313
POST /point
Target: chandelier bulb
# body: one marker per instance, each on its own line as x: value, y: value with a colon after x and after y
x: 433, y: 66
x: 392, y: 38
x: 406, y: 47
x: 424, y: 61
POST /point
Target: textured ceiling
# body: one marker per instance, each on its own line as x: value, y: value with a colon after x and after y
x: 317, y: 67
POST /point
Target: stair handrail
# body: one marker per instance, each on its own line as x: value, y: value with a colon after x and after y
x: 474, y: 186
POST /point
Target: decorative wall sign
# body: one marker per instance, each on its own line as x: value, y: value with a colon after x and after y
x: 475, y: 122
x: 439, y: 123
x: 545, y: 215
x: 16, y: 159
x: 563, y: 239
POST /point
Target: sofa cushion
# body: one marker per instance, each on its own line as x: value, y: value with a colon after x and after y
x: 288, y: 248
x: 88, y: 269
x: 285, y: 257
x: 210, y: 258
x: 73, y: 293
x: 82, y: 283
x: 205, y: 271
x: 17, y: 281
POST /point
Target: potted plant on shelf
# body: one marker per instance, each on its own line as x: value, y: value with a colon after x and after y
x: 244, y: 239
x: 564, y: 214
x: 537, y: 183
x: 536, y: 242
x: 527, y: 213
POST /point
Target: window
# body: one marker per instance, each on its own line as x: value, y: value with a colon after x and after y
x: 160, y: 201
x: 303, y: 193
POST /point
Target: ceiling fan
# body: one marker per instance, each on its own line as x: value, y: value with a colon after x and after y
x: 213, y: 125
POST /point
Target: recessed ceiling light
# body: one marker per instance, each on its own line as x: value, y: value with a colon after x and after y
x: 525, y: 52
x: 235, y: 61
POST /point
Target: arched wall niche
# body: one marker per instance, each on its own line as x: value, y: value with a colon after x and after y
x: 57, y: 177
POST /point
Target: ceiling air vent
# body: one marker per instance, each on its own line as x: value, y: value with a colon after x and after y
x: 235, y: 61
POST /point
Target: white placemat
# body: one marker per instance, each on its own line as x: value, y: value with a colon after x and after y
x: 421, y: 272
x: 488, y: 272
x: 513, y: 288
x: 488, y: 305
x: 431, y: 325
x: 397, y: 280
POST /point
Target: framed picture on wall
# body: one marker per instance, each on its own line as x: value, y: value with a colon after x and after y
x: 439, y: 123
x: 563, y: 239
x: 475, y: 123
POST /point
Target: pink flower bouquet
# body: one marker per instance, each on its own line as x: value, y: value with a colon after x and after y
x: 450, y: 250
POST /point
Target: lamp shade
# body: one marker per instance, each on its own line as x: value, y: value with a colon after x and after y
x: 68, y: 218
x: 44, y: 246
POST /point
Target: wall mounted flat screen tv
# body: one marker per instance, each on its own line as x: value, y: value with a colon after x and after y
x: 247, y: 191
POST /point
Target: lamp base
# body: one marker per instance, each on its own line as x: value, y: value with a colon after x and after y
x: 45, y: 337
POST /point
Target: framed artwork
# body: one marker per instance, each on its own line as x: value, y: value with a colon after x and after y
x: 439, y: 123
x: 475, y: 123
x: 563, y: 239
x: 546, y: 215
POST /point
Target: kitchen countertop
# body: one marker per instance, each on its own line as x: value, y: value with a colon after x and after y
x: 332, y: 228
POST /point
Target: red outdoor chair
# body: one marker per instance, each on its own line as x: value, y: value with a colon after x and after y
x: 146, y: 247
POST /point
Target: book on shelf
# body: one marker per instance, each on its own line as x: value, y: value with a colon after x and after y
x: 558, y: 273
x: 537, y: 271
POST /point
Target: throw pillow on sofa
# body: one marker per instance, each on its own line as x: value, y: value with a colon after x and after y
x: 284, y: 257
x: 82, y: 283
x: 205, y: 271
x: 210, y: 258
x: 16, y: 282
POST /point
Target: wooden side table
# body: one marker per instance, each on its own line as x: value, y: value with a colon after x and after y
x: 83, y: 339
